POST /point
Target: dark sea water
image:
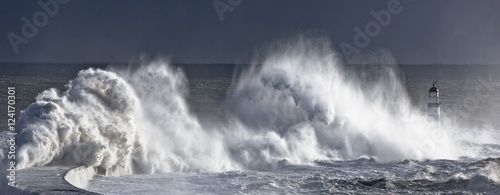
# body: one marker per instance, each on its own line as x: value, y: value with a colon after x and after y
x: 470, y: 96
x: 460, y: 85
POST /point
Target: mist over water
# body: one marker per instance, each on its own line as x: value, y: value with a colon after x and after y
x: 297, y: 104
x: 305, y: 96
x: 122, y: 122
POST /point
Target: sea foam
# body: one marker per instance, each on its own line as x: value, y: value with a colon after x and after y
x: 296, y: 104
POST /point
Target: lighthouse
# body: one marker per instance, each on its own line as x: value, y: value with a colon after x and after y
x: 433, y: 109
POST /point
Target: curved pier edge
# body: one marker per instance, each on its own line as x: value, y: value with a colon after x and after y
x: 79, y: 177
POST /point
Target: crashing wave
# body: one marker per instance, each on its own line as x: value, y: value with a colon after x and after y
x: 298, y: 104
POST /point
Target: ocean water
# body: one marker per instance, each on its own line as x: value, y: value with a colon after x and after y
x: 296, y: 121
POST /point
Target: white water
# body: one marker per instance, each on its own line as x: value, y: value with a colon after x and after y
x: 295, y: 105
x: 122, y: 122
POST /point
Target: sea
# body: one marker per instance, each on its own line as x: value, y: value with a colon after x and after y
x: 295, y: 122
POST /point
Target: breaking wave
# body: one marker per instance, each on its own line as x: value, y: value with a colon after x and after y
x: 297, y: 104
x: 120, y: 122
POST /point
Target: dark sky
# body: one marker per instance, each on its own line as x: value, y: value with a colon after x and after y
x: 425, y: 31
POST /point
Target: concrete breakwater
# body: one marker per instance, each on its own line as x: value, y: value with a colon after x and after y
x: 53, y: 180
